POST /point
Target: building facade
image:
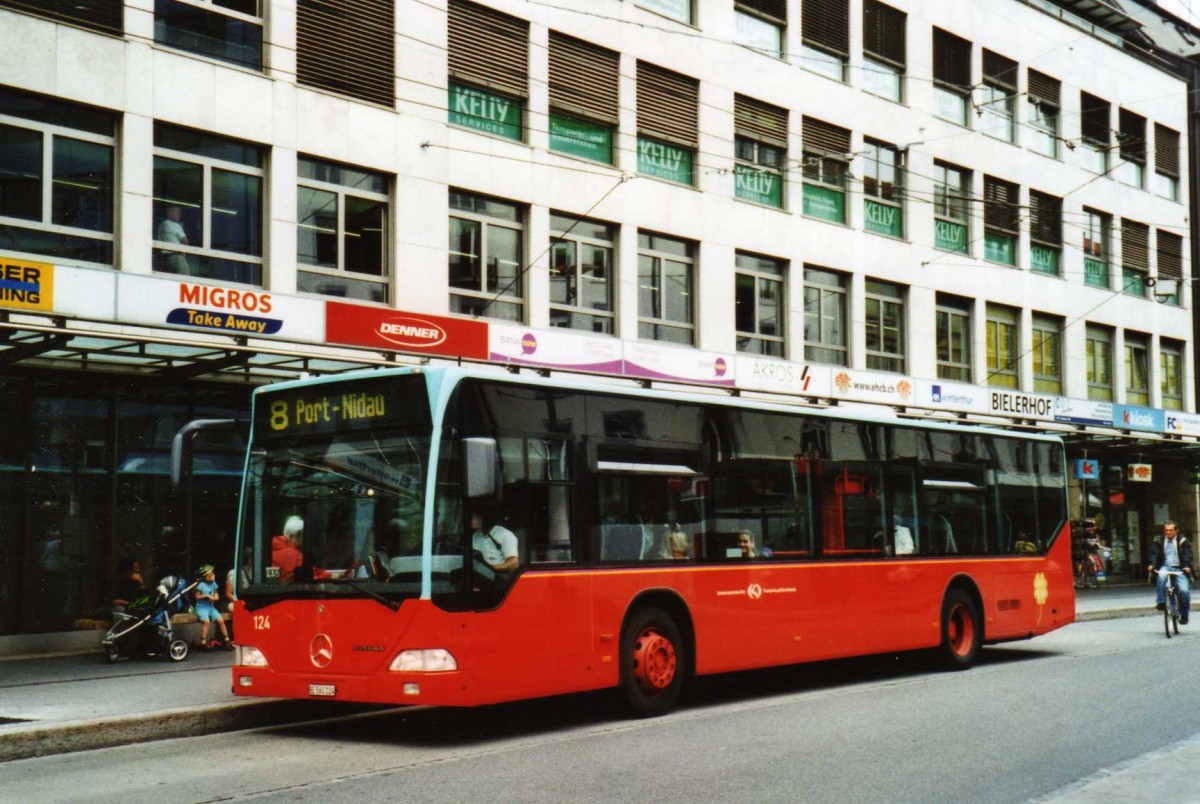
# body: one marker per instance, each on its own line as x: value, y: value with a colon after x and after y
x: 975, y: 210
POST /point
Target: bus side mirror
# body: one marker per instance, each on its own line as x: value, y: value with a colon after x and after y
x: 479, y: 467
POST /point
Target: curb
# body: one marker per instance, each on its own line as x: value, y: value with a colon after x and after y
x: 87, y: 735
x: 1114, y: 614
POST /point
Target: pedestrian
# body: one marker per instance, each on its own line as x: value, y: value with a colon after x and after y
x: 130, y: 585
x: 206, y: 609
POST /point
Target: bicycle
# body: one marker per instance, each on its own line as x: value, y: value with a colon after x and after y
x: 1171, y: 598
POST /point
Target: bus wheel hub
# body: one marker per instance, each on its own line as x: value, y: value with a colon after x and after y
x: 654, y: 660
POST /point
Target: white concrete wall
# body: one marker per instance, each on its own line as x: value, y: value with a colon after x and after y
x: 427, y: 156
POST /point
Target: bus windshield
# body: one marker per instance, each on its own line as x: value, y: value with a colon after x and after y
x: 334, y: 498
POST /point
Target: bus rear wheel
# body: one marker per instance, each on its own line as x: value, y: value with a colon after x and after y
x: 962, y: 631
x: 653, y: 662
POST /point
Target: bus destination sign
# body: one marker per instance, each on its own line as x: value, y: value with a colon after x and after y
x: 340, y: 407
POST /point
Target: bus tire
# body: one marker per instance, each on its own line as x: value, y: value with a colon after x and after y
x: 962, y: 631
x: 653, y: 662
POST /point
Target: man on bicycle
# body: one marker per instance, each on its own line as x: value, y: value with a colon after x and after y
x: 1173, y: 553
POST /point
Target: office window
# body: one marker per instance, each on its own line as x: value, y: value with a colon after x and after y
x: 953, y: 332
x: 1131, y: 136
x: 1170, y: 367
x: 1042, y: 107
x: 1045, y: 233
x: 951, y: 76
x: 668, y: 122
x: 825, y: 37
x: 1166, y: 162
x: 825, y: 317
x: 826, y: 164
x: 1001, y: 218
x: 884, y: 50
x: 761, y: 24
x: 208, y: 205
x: 1003, y: 347
x: 1047, y: 354
x: 228, y: 30
x: 1096, y: 131
x: 487, y: 257
x: 666, y: 303
x: 1099, y: 363
x: 1170, y: 266
x: 760, y: 141
x: 103, y: 16
x: 1097, y: 227
x: 883, y: 189
x: 675, y: 9
x: 758, y: 296
x: 348, y: 47
x: 56, y: 179
x: 951, y: 208
x: 1137, y: 369
x: 1135, y: 257
x: 489, y: 70
x: 341, y: 231
x: 581, y: 274
x: 885, y: 326
x: 995, y: 100
x: 583, y: 98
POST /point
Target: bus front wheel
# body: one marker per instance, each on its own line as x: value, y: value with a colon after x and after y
x: 652, y: 662
x: 962, y: 631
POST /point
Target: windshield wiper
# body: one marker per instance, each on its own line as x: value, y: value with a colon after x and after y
x: 391, y: 604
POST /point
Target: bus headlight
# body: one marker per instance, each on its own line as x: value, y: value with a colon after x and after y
x: 250, y: 656
x: 429, y: 660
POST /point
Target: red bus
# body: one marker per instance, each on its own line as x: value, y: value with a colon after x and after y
x: 458, y: 536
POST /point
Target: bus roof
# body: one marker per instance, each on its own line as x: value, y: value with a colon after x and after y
x: 447, y: 376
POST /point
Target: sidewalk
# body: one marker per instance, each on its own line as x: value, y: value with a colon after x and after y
x: 58, y: 704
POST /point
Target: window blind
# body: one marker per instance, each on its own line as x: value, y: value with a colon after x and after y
x: 951, y: 60
x: 775, y: 10
x: 1135, y: 245
x: 1000, y: 205
x: 1132, y: 137
x: 1045, y: 218
x: 1097, y: 119
x: 667, y: 105
x: 999, y: 70
x: 1045, y: 89
x: 583, y: 78
x: 488, y: 49
x: 760, y: 121
x: 826, y: 24
x: 826, y: 137
x: 1170, y: 255
x: 105, y: 16
x: 883, y: 33
x: 1166, y: 150
x: 347, y: 46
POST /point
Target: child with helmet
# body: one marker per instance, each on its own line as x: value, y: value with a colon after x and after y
x: 206, y: 608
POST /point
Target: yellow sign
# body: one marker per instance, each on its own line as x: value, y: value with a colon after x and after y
x: 26, y: 285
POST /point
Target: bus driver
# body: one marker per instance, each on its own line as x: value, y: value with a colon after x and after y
x: 496, y: 543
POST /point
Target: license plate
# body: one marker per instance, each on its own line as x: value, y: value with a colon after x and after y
x: 326, y: 690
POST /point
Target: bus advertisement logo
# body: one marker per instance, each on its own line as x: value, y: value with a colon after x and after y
x: 754, y: 591
x: 320, y: 651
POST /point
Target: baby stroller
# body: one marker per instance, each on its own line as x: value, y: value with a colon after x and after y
x: 145, y: 629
